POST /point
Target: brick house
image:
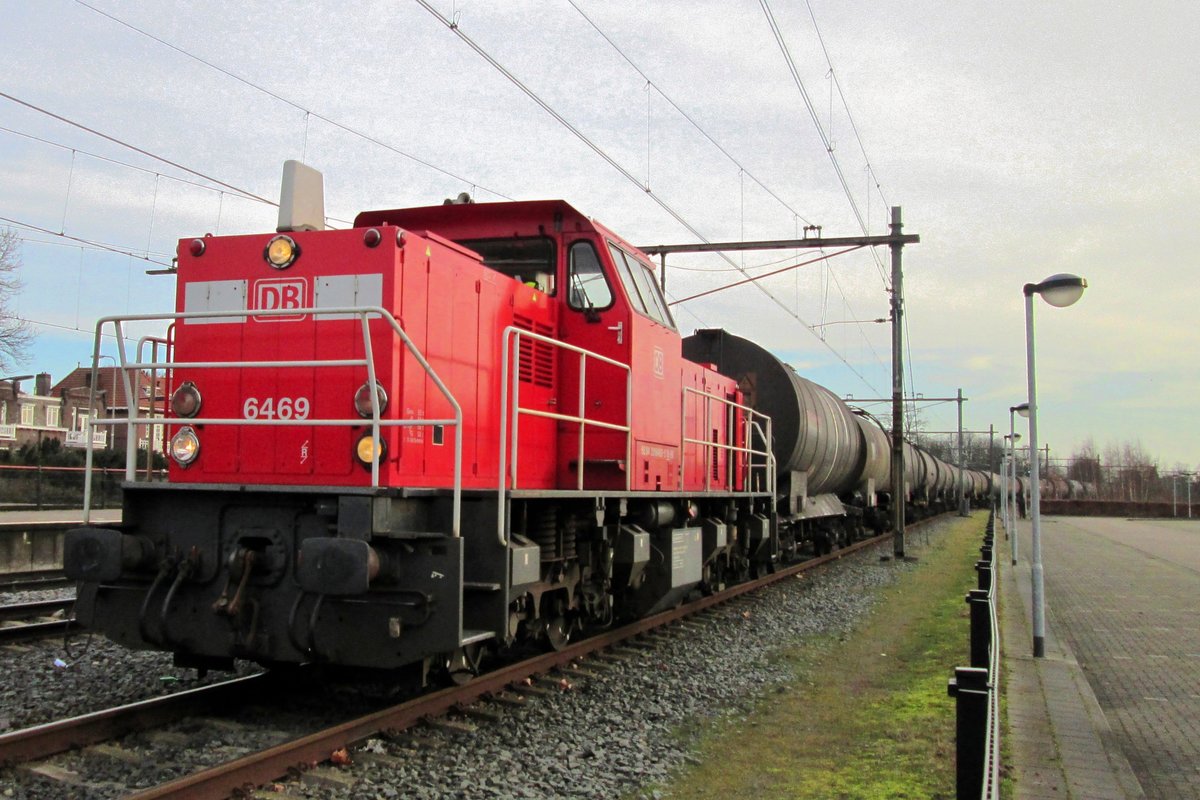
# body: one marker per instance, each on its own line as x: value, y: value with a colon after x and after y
x: 27, y: 418
x: 112, y: 402
x: 61, y: 411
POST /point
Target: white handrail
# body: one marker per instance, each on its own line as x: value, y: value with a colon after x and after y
x: 751, y: 419
x: 364, y: 313
x: 508, y: 470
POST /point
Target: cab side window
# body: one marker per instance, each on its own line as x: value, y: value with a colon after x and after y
x: 631, y: 287
x: 588, y: 287
x: 641, y: 287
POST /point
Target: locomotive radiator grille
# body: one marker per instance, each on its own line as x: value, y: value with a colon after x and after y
x: 535, y: 358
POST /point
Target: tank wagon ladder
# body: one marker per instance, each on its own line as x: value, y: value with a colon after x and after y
x: 509, y: 418
x: 364, y: 313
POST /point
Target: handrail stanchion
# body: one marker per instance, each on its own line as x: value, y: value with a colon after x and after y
x: 628, y: 430
x: 582, y: 427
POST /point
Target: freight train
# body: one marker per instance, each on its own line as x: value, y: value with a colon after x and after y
x: 456, y: 429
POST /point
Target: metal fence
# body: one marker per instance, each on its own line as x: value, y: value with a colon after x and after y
x: 976, y: 689
x: 30, y: 487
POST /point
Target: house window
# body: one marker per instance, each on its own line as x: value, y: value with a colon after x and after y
x: 3, y: 412
x: 53, y: 417
x: 26, y: 413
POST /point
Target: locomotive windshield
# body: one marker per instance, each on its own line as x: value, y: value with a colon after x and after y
x: 641, y: 287
x: 529, y: 260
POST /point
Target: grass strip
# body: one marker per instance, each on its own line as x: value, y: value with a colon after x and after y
x: 867, y: 714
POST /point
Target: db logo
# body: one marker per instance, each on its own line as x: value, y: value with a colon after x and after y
x: 659, y: 365
x: 279, y: 295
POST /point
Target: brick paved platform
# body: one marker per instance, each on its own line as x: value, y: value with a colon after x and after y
x: 1113, y: 711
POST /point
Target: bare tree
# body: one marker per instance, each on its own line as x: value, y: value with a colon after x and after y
x: 1085, y: 466
x: 16, y: 334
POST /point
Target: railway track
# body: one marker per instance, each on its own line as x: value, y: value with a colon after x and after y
x: 22, y: 622
x: 33, y: 580
x: 299, y: 753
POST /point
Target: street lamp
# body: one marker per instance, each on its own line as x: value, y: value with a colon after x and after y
x: 1013, y: 488
x: 1060, y: 291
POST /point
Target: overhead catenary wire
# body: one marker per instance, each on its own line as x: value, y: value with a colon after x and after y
x: 456, y: 29
x: 146, y: 170
x: 307, y: 111
x: 820, y: 258
x: 135, y: 148
x: 102, y: 246
x: 98, y: 245
x: 743, y: 172
x: 812, y: 112
x: 846, y: 106
x: 372, y: 139
x: 690, y: 119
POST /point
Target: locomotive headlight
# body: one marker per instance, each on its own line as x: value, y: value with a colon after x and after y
x: 185, y: 446
x: 281, y: 252
x: 362, y: 400
x: 367, y: 451
x: 185, y: 402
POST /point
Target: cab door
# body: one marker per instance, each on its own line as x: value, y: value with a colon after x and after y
x: 597, y: 318
x: 655, y: 357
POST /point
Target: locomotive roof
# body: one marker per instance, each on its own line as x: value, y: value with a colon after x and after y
x: 520, y: 218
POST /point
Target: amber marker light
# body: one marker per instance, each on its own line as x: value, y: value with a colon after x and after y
x: 367, y: 451
x: 281, y: 251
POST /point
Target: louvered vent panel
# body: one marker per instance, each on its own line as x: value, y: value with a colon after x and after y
x: 536, y: 357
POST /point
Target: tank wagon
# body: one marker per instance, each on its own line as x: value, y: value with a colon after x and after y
x: 455, y: 429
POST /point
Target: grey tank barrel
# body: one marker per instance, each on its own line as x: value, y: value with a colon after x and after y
x: 814, y: 430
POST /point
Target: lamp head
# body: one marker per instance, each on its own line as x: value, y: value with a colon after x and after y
x: 1060, y: 291
x: 1022, y: 409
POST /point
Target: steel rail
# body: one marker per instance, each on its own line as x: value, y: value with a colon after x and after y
x: 240, y: 776
x: 31, y: 631
x: 33, y: 580
x: 43, y: 741
x: 41, y: 608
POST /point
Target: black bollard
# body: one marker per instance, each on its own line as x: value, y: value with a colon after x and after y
x: 969, y: 688
x: 984, y: 568
x: 981, y: 627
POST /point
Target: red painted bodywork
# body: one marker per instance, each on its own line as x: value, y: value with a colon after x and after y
x: 455, y: 309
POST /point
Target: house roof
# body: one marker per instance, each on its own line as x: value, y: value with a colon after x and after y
x: 108, y: 380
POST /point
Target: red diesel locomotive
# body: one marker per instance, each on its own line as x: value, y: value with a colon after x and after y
x: 449, y: 429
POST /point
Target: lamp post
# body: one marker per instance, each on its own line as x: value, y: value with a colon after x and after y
x: 1004, y: 489
x: 1023, y: 410
x: 1189, y: 477
x: 1013, y: 488
x: 1060, y: 291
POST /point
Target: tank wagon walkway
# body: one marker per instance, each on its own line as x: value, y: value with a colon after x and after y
x: 1113, y: 711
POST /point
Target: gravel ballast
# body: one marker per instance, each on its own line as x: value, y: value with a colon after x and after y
x: 623, y: 732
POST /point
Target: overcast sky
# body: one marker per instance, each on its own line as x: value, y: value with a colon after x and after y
x: 1021, y: 139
